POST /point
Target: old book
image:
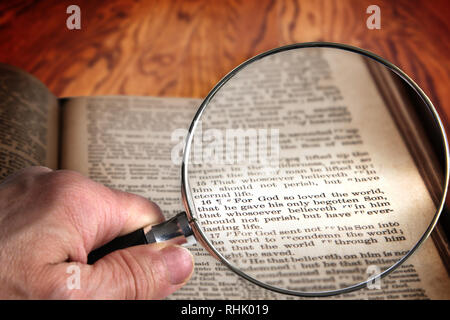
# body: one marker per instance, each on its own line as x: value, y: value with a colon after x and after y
x: 125, y: 142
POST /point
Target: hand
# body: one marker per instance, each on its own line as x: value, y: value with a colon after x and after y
x: 51, y: 220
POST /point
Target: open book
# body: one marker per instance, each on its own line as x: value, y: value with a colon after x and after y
x: 125, y: 143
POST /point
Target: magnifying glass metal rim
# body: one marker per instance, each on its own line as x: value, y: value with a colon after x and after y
x: 187, y: 200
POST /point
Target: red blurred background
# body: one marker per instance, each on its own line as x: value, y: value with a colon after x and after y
x: 182, y: 48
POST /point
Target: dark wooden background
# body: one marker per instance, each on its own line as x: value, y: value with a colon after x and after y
x: 182, y: 48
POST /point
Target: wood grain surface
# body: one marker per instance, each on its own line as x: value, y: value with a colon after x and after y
x: 182, y: 48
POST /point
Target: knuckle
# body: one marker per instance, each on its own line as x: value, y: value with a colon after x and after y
x: 45, y: 284
x: 151, y: 209
x: 18, y: 189
x: 143, y: 278
x: 38, y: 169
x: 25, y: 178
x: 64, y: 178
x: 155, y: 208
x: 64, y: 184
x: 60, y: 282
x: 33, y: 170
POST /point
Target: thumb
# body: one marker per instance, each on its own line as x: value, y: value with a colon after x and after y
x: 141, y: 272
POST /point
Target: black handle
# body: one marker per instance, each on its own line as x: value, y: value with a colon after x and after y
x: 132, y: 239
x: 177, y: 227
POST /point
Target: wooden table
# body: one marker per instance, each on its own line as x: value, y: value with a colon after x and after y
x: 182, y: 48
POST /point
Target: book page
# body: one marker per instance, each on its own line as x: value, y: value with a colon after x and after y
x: 125, y: 143
x: 418, y: 129
x: 346, y: 195
x: 28, y: 122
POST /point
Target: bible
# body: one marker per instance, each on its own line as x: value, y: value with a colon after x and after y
x: 126, y: 142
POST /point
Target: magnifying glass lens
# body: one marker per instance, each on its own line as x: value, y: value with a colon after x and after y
x: 313, y: 171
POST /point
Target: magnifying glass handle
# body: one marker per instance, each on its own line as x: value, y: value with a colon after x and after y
x: 176, y: 227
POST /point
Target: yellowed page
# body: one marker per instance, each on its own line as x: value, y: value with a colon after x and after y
x: 125, y: 143
x: 28, y: 122
x: 74, y: 135
x: 350, y: 197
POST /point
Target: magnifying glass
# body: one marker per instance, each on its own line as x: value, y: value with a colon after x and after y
x: 311, y: 170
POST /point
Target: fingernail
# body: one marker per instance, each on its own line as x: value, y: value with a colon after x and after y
x: 179, y: 263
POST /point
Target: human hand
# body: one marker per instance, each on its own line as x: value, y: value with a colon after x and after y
x: 51, y: 220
